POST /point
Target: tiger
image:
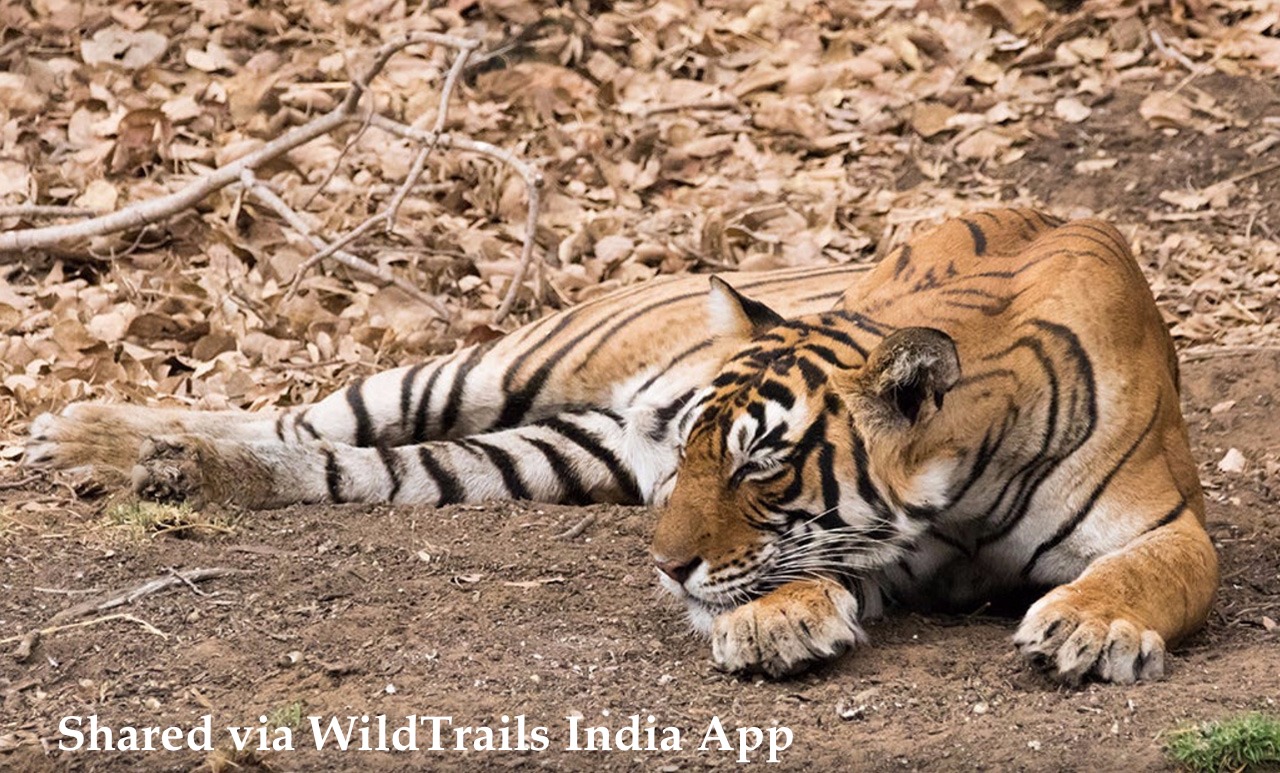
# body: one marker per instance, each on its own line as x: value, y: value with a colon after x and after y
x: 989, y: 413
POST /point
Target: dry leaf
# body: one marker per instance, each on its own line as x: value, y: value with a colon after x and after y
x: 1017, y: 16
x: 1071, y: 110
x: 120, y: 47
x: 1164, y: 108
x: 99, y: 196
x: 19, y: 94
x: 983, y: 144
x: 930, y: 118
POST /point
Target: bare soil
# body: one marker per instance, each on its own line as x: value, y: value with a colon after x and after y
x: 477, y: 612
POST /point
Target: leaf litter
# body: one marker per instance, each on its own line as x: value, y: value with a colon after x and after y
x: 676, y: 137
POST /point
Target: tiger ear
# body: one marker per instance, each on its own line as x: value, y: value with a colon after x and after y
x: 734, y: 315
x: 906, y: 377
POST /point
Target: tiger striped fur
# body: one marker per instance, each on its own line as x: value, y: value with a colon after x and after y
x: 992, y: 410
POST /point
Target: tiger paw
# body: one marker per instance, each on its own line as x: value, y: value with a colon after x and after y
x: 169, y: 470
x: 1073, y: 642
x: 795, y: 626
x: 84, y: 435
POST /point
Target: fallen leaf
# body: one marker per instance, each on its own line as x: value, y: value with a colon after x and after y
x: 99, y: 196
x: 120, y: 47
x: 930, y: 118
x: 1071, y: 110
x: 1164, y: 108
x: 1017, y: 16
x: 1188, y: 200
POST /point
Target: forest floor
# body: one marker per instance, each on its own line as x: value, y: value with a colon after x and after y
x: 675, y: 139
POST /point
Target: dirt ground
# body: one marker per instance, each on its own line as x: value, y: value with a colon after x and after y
x: 477, y: 612
x: 481, y: 612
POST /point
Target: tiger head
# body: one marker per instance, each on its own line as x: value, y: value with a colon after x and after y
x: 810, y: 454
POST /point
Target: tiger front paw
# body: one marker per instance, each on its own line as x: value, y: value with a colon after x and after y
x: 1072, y: 640
x: 795, y: 626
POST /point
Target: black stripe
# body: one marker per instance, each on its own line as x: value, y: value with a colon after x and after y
x: 364, y: 427
x: 507, y: 466
x: 979, y: 238
x: 391, y: 463
x: 814, y: 376
x: 573, y: 490
x: 986, y: 452
x: 1030, y: 228
x: 280, y: 427
x: 867, y: 488
x: 1066, y: 529
x: 842, y: 337
x: 830, y: 356
x: 1117, y: 245
x: 1169, y: 517
x: 664, y: 415
x: 830, y: 518
x: 332, y: 476
x: 865, y: 323
x: 406, y: 394
x: 1075, y: 434
x: 823, y: 296
x: 903, y: 262
x: 452, y: 406
x: 692, y: 350
x: 450, y: 490
x: 773, y: 390
x: 588, y: 442
x: 421, y: 415
x: 306, y: 425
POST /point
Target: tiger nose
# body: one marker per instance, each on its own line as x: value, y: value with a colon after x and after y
x: 678, y: 570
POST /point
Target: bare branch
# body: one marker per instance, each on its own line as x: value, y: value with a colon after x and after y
x: 442, y: 116
x: 153, y: 210
x: 268, y: 197
x: 531, y: 175
x: 45, y: 210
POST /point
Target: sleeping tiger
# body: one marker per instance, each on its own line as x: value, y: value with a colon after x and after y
x: 992, y: 410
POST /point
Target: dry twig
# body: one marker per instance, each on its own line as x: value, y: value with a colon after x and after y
x: 578, y: 528
x: 59, y: 622
x: 531, y: 175
x: 152, y: 210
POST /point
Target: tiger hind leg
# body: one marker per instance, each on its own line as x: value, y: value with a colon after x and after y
x: 94, y: 435
x: 572, y: 458
x: 403, y: 405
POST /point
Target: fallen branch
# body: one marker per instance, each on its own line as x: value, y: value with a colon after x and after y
x: 147, y: 212
x: 45, y: 210
x: 1208, y: 352
x: 31, y: 638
